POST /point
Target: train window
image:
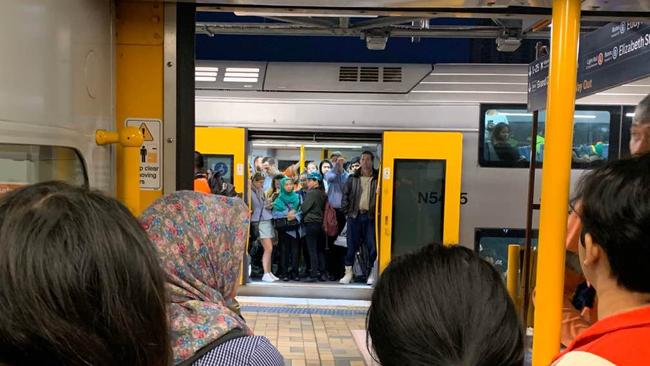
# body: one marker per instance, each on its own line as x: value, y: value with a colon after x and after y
x: 418, y: 204
x: 505, y: 139
x: 27, y: 164
x: 492, y: 245
x: 223, y: 163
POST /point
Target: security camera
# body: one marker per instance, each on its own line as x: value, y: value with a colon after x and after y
x: 508, y: 44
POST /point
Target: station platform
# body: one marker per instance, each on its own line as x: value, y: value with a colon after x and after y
x: 311, y: 332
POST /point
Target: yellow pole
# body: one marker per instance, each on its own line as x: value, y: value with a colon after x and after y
x: 512, y: 276
x: 130, y: 138
x: 555, y: 179
x: 302, y: 159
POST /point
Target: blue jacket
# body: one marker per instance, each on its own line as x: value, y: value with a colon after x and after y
x: 336, y: 181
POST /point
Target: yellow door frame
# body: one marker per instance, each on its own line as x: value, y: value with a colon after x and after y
x: 139, y: 80
x: 446, y: 146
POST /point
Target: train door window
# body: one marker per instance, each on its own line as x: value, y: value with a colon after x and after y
x: 222, y: 164
x: 27, y: 164
x: 505, y: 139
x: 492, y: 245
x: 421, y: 182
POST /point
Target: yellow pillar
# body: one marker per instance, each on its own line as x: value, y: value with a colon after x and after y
x: 301, y: 169
x: 555, y: 179
x: 512, y: 277
x: 139, y: 75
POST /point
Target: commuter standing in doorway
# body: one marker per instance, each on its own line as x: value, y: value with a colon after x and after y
x: 261, y: 221
x: 335, y: 179
x: 358, y: 203
x: 200, y: 175
x: 312, y: 210
x: 270, y: 169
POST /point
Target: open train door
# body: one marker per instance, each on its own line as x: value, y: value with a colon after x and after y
x: 420, y: 191
x: 225, y: 146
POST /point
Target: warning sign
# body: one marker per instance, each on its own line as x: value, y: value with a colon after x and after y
x: 150, y: 152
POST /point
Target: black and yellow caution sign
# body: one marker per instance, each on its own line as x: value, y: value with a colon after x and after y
x: 145, y: 132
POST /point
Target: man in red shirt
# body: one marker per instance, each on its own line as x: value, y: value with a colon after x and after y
x: 614, y: 248
x: 576, y: 321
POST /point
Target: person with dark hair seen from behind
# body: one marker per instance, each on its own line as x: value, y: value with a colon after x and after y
x: 576, y: 320
x: 500, y: 141
x: 201, y: 183
x: 80, y: 282
x: 359, y: 203
x: 312, y: 210
x: 201, y: 240
x: 443, y: 306
x: 614, y: 249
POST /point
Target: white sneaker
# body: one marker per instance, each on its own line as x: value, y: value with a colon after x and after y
x: 274, y: 277
x: 371, y: 279
x: 267, y: 278
x: 348, y: 275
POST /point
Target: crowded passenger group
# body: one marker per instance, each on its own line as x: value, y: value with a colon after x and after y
x: 318, y: 219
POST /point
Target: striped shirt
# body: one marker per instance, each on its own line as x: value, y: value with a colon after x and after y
x: 243, y: 351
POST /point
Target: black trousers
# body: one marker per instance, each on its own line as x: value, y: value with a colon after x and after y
x: 289, y: 252
x: 335, y: 254
x: 316, y: 247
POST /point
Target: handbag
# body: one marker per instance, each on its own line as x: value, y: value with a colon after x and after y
x: 284, y: 224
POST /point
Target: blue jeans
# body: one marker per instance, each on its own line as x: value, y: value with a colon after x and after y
x: 361, y: 229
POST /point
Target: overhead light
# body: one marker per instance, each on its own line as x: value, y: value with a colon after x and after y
x: 243, y: 69
x: 630, y: 115
x: 239, y: 80
x: 585, y: 116
x: 205, y: 73
x: 508, y: 44
x: 205, y: 78
x: 206, y: 68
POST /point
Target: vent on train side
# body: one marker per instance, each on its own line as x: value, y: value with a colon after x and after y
x: 392, y: 75
x: 369, y: 74
x: 346, y: 77
x: 349, y: 73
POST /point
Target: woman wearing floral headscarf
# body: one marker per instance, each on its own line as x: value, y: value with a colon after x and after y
x: 201, y: 241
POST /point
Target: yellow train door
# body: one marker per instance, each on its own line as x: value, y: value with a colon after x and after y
x: 420, y: 191
x: 224, y: 145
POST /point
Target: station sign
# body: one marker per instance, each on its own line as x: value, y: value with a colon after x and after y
x: 150, y: 152
x: 613, y: 55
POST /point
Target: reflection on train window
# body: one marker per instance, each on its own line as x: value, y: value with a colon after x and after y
x: 418, y: 204
x: 506, y: 136
x: 628, y: 115
x: 221, y: 163
x: 27, y: 164
x: 492, y: 245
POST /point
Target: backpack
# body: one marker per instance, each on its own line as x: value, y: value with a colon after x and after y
x: 219, y: 187
x: 330, y: 224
